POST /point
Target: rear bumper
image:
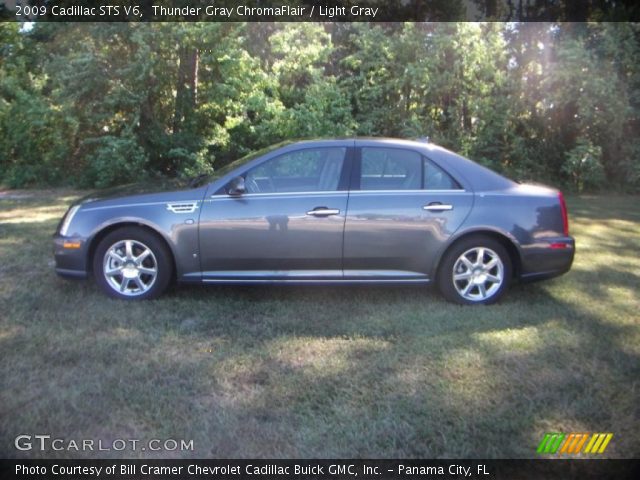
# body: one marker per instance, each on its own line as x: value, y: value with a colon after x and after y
x: 70, y: 255
x: 547, y: 259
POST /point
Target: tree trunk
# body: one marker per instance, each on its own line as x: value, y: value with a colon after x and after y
x: 187, y: 87
x: 491, y: 9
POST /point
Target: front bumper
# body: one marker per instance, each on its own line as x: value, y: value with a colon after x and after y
x: 547, y: 259
x: 70, y: 256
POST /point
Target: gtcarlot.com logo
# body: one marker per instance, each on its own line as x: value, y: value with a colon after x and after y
x: 48, y: 443
x: 574, y: 443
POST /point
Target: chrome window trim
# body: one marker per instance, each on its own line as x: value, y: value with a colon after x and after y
x: 413, y: 191
x: 279, y: 194
x: 329, y: 193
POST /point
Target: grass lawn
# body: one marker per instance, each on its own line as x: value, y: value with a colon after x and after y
x: 322, y: 372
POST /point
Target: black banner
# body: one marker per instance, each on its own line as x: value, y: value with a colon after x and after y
x: 318, y: 10
x: 318, y: 469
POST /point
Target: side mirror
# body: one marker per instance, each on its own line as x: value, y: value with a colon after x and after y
x: 236, y: 186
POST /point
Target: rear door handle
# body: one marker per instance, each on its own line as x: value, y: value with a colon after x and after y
x: 323, y: 212
x: 437, y: 207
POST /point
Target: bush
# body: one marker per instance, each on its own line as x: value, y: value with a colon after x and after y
x: 583, y: 166
x: 35, y: 139
x: 114, y: 160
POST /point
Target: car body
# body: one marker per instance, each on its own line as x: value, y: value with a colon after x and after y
x: 344, y: 211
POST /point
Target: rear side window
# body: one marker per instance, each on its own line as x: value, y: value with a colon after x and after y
x: 390, y: 169
x: 397, y: 169
x: 437, y: 179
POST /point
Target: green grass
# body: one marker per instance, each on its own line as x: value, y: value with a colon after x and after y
x: 322, y: 372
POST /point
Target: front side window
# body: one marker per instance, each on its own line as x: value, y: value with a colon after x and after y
x: 308, y: 170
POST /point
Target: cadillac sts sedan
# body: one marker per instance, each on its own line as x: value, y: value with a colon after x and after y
x: 349, y: 211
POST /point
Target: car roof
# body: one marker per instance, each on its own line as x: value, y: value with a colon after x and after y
x: 357, y: 141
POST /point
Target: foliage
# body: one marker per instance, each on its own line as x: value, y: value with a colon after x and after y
x: 100, y: 104
x: 114, y: 159
x: 583, y: 165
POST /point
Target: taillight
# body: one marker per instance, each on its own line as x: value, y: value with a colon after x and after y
x: 565, y: 217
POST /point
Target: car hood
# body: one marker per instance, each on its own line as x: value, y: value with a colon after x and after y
x: 135, y: 189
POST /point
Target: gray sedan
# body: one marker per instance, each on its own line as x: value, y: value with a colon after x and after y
x: 363, y: 211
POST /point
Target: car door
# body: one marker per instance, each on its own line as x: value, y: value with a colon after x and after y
x: 402, y: 209
x: 288, y: 225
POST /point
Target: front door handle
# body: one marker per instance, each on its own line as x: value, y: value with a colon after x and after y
x: 323, y: 212
x: 437, y: 207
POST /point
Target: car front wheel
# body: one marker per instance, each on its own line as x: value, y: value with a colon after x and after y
x: 132, y: 264
x: 475, y: 271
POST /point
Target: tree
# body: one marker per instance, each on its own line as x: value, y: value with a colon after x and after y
x: 104, y: 104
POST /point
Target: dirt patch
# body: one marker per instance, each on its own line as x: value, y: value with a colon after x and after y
x: 14, y: 195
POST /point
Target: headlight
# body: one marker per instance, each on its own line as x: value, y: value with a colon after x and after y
x: 67, y: 220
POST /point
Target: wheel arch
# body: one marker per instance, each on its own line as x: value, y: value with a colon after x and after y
x: 105, y: 230
x: 507, y: 241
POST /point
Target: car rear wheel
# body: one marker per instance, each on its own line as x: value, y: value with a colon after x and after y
x: 132, y: 264
x: 475, y: 271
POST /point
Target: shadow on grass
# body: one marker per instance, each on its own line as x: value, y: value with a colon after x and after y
x: 367, y: 377
x: 604, y: 207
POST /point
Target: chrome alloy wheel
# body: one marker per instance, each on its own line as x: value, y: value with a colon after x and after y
x: 478, y: 274
x: 130, y: 267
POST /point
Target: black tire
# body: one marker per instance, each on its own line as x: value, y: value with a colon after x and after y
x: 481, y: 277
x: 140, y: 282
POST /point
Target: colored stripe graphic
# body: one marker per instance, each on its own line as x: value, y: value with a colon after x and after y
x: 580, y: 443
x: 578, y: 440
x: 551, y: 442
x: 605, y: 443
x: 594, y: 437
x: 572, y: 443
x: 598, y: 443
x: 543, y: 443
x: 557, y: 443
x: 570, y: 439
